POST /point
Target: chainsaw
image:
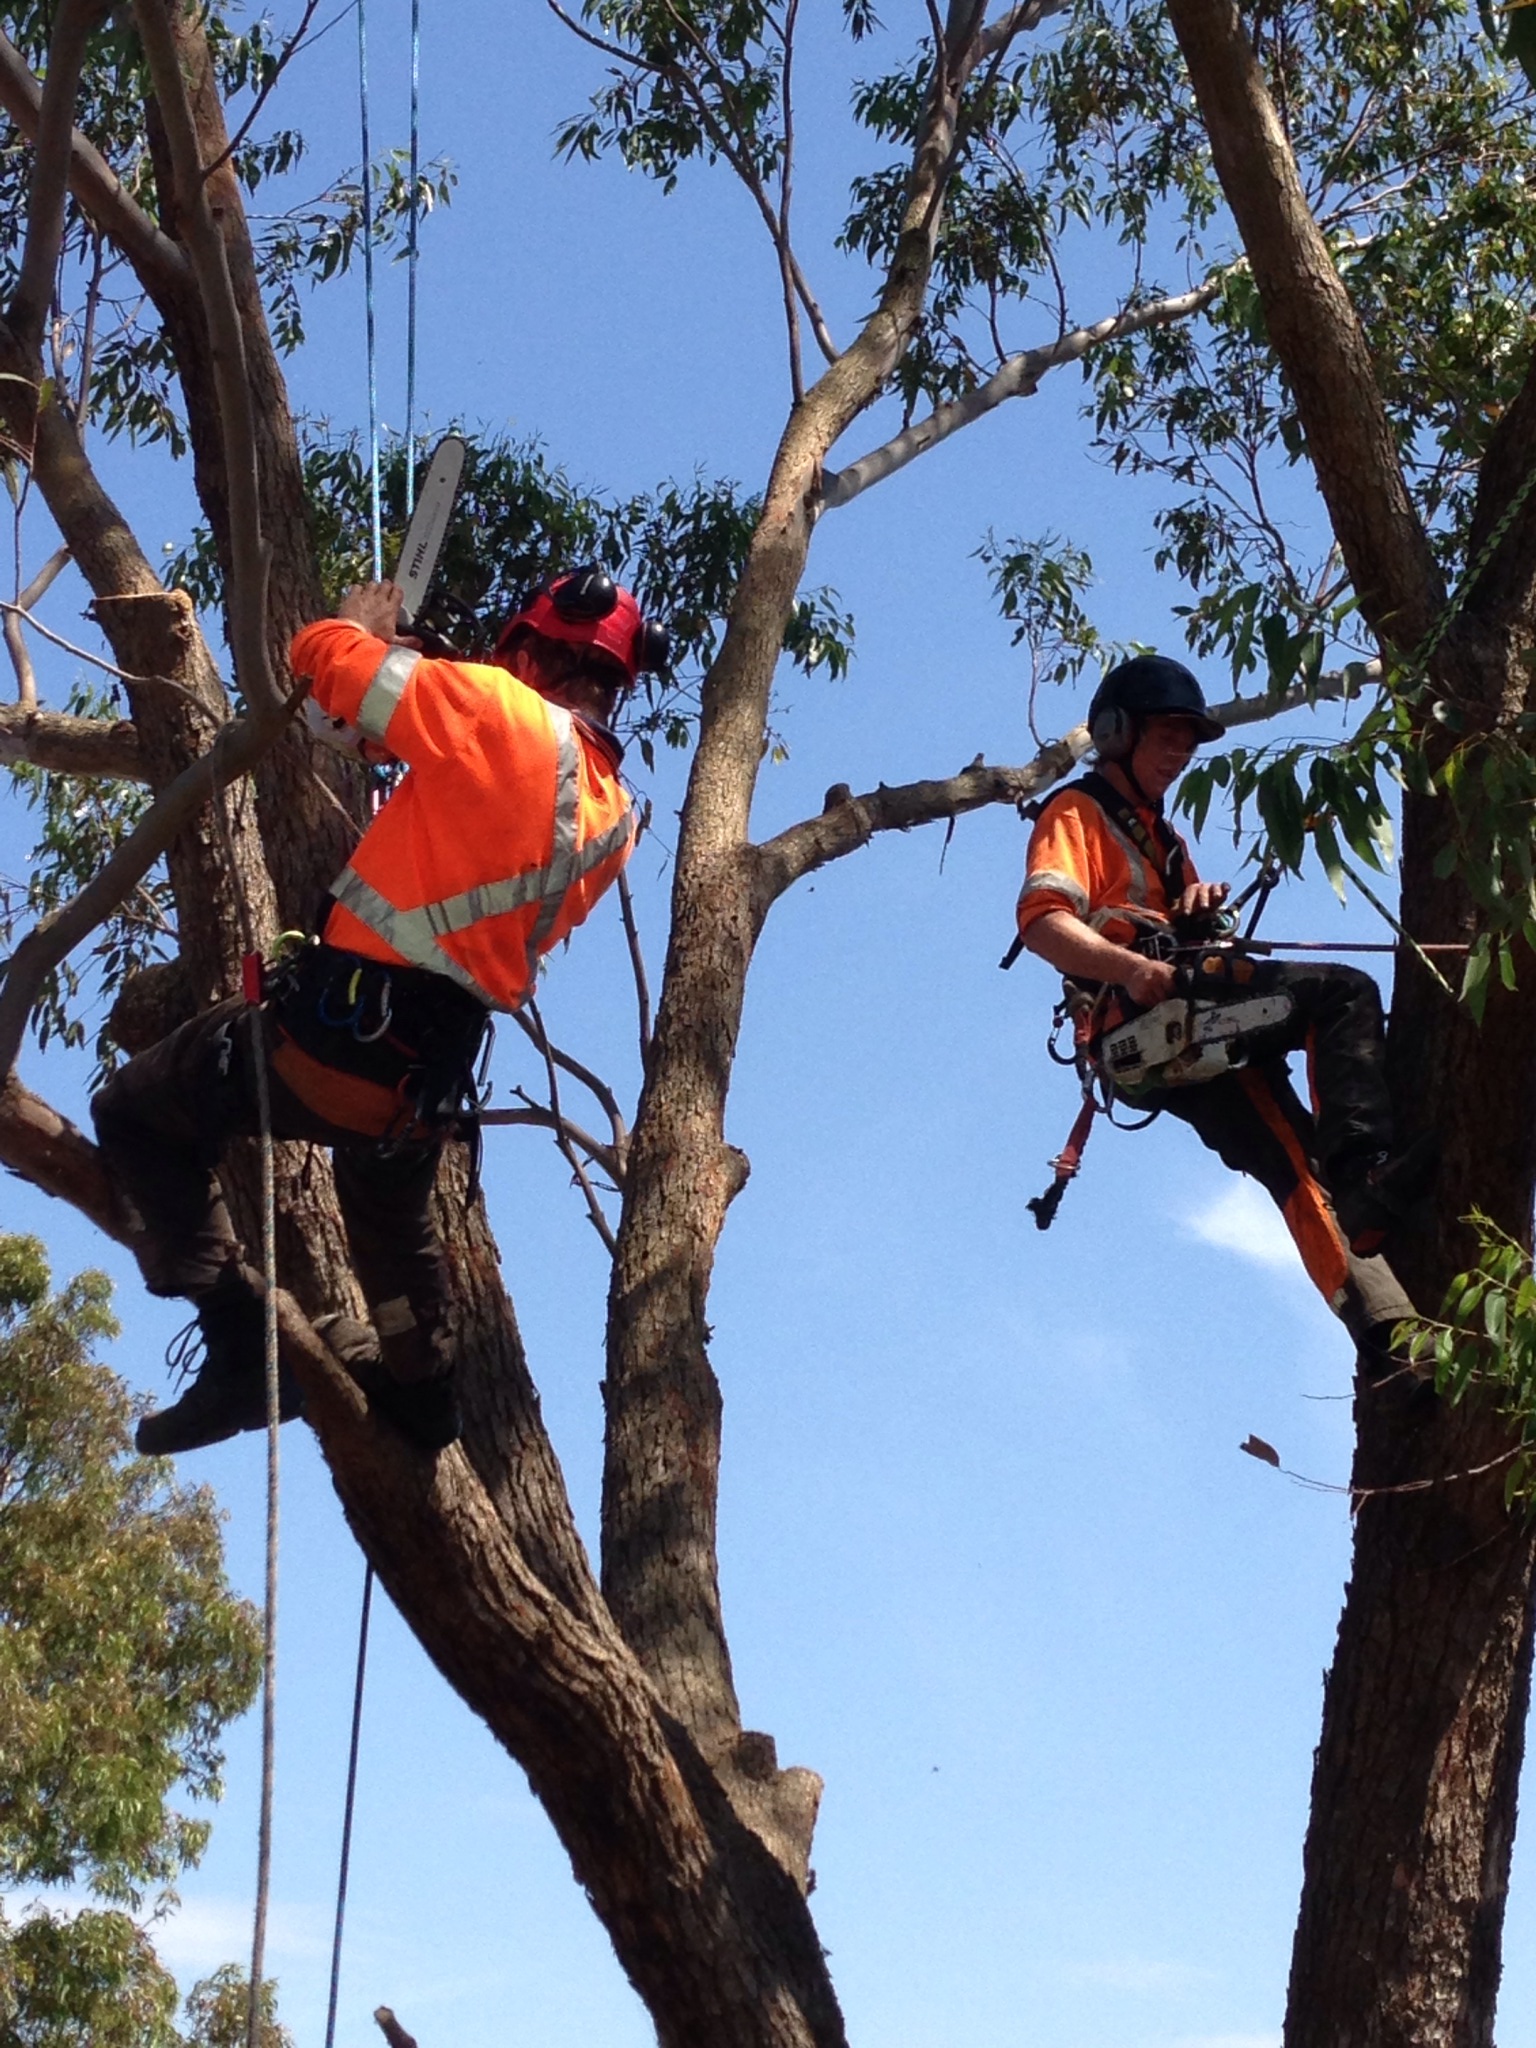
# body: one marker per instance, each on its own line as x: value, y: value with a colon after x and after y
x: 437, y: 619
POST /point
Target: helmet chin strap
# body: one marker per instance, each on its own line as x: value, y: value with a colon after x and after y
x: 1127, y: 769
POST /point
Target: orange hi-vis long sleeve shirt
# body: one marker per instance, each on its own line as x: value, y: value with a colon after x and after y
x: 1081, y: 861
x: 508, y: 826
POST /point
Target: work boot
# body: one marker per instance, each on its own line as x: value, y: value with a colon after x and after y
x: 1373, y: 1192
x: 423, y: 1407
x: 228, y: 1393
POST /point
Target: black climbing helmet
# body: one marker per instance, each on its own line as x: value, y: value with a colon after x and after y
x: 1140, y: 688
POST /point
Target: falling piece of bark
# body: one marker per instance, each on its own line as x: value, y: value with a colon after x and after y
x: 1257, y: 1448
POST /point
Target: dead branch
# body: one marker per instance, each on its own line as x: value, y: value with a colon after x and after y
x: 593, y: 1083
x: 537, y: 1117
x: 1019, y: 377
x: 583, y: 1179
x: 394, y: 2033
x: 246, y: 586
x: 70, y: 746
x: 21, y: 660
x: 637, y: 963
x: 28, y: 313
x: 997, y: 35
x: 849, y: 822
x: 93, y: 182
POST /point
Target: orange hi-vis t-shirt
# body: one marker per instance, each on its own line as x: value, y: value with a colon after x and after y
x: 507, y: 828
x: 1082, y: 862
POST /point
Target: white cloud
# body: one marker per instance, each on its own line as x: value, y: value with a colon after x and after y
x: 1242, y: 1219
x: 203, y: 1933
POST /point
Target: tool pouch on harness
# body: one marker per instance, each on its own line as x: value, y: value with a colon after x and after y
x: 388, y: 1052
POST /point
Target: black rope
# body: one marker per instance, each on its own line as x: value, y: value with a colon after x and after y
x: 346, y: 1822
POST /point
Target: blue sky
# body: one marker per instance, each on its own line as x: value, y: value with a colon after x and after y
x: 992, y: 1562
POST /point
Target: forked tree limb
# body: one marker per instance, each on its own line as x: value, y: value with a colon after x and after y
x: 95, y: 185
x: 246, y: 586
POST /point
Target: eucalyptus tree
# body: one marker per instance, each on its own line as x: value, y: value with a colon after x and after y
x: 1363, y: 320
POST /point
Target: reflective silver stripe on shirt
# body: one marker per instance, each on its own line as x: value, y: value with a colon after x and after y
x: 1138, y: 889
x: 562, y: 860
x: 383, y: 694
x: 1057, y: 885
x: 417, y: 934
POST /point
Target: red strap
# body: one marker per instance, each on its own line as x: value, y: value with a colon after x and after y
x: 1067, y: 1161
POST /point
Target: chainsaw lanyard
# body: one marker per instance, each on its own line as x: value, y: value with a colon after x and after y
x: 416, y: 933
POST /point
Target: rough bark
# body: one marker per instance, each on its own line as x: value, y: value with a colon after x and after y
x: 1414, y: 1788
x: 663, y: 1403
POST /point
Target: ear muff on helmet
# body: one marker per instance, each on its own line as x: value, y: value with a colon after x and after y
x: 1113, y: 732
x: 585, y: 607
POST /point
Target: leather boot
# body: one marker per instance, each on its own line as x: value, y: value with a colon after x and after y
x: 228, y: 1393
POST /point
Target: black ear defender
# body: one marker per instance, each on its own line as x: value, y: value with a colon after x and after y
x: 584, y: 596
x: 653, y: 647
x: 1113, y: 732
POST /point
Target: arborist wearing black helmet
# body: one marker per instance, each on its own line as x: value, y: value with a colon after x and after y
x: 1109, y: 886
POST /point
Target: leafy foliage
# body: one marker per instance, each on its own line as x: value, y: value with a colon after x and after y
x: 519, y: 516
x: 91, y: 1980
x: 123, y: 1652
x: 1485, y: 1339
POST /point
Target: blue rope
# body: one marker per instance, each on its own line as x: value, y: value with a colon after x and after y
x: 373, y: 361
x: 410, y: 303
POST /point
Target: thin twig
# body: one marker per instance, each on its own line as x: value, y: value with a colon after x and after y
x: 21, y: 661
x: 290, y: 51
x: 595, y: 1214
x: 594, y: 1083
x: 537, y: 1116
x: 108, y: 667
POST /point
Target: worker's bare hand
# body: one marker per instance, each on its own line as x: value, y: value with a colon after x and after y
x: 373, y: 606
x: 1149, y: 981
x: 1200, y: 899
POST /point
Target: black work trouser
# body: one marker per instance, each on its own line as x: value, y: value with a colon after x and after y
x: 162, y: 1121
x: 1337, y: 1022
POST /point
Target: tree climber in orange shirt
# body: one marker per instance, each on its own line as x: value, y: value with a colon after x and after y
x: 508, y: 825
x: 1106, y: 876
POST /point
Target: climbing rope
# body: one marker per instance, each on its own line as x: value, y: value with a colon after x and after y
x: 410, y: 263
x: 346, y: 1824
x: 368, y: 293
x: 350, y: 1803
x: 269, y: 1618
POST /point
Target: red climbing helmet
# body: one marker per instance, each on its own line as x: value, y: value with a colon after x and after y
x: 586, y: 608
